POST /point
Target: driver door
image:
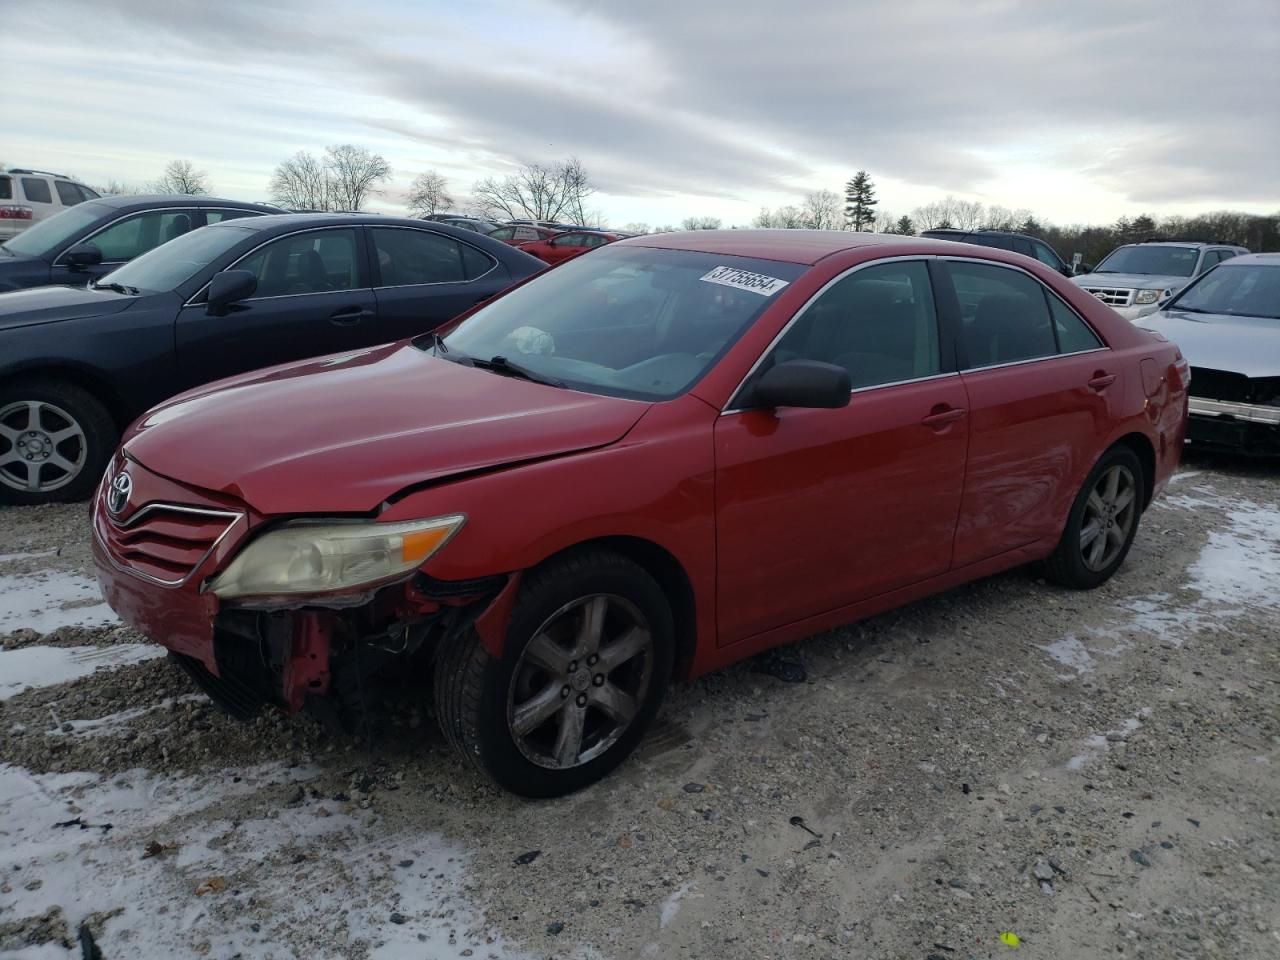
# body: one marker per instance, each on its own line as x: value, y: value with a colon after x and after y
x: 565, y: 247
x: 817, y: 509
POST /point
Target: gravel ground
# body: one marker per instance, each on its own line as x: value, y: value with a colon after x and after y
x: 1095, y: 773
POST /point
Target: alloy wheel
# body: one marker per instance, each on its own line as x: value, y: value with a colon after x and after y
x: 1109, y: 515
x: 581, y: 681
x: 42, y: 446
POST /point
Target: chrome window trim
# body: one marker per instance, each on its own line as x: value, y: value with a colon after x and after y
x: 191, y: 302
x: 808, y: 303
x: 1019, y: 363
x: 57, y: 261
x: 866, y: 389
x: 234, y: 518
x: 436, y: 283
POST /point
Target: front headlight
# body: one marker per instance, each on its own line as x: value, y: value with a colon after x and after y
x: 318, y: 557
x: 1151, y: 296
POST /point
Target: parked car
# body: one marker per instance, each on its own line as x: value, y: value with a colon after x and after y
x: 467, y: 223
x: 1227, y: 323
x: 79, y: 245
x: 564, y: 246
x: 516, y: 234
x: 77, y: 364
x: 1138, y: 278
x: 550, y: 224
x: 1006, y: 240
x: 28, y: 197
x: 651, y: 461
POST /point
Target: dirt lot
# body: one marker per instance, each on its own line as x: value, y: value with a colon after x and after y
x: 1095, y: 773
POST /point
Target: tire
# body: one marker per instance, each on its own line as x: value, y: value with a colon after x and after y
x: 39, y: 412
x: 482, y: 702
x: 1079, y: 561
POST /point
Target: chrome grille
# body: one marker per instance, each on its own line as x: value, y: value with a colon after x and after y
x: 1112, y: 296
x: 165, y: 542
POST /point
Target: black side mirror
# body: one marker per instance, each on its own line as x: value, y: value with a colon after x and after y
x: 228, y: 287
x: 1083, y: 268
x: 803, y: 383
x: 83, y: 255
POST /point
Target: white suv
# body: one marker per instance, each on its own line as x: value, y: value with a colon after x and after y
x: 28, y: 196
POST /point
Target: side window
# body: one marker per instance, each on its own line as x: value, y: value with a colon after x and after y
x: 407, y: 257
x: 1074, y: 335
x: 475, y: 263
x: 217, y: 216
x: 1210, y: 259
x: 526, y: 233
x: 135, y: 235
x: 990, y: 240
x: 313, y: 262
x: 1045, y: 255
x: 504, y: 233
x: 594, y: 240
x: 37, y: 191
x: 68, y: 193
x: 86, y: 193
x: 1226, y: 255
x: 569, y: 240
x: 1004, y: 316
x: 1023, y: 247
x: 6, y: 188
x: 878, y: 323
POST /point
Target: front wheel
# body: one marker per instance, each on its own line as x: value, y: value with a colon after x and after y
x: 1102, y: 523
x: 587, y: 660
x: 55, y: 441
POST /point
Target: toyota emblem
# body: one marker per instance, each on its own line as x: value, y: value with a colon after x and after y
x: 118, y: 492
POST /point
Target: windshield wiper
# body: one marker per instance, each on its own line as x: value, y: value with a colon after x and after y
x: 117, y: 287
x: 437, y: 341
x: 503, y: 365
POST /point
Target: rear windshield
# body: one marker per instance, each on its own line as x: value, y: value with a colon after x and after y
x: 1153, y: 260
x: 172, y: 263
x: 624, y: 321
x: 47, y: 237
x: 1244, y: 290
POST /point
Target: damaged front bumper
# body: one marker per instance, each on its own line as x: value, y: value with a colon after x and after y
x: 1247, y: 428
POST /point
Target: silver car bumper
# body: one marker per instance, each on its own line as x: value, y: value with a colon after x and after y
x: 1249, y: 412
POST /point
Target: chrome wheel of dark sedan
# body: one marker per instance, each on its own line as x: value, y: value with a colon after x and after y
x: 580, y: 682
x: 42, y: 446
x: 1109, y: 515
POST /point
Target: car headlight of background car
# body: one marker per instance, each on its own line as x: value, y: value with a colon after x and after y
x: 1151, y: 296
x: 322, y: 557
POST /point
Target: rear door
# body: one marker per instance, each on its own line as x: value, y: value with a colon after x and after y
x: 424, y: 279
x: 313, y: 298
x: 818, y: 509
x: 1040, y: 386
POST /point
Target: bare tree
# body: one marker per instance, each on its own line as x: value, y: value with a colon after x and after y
x: 355, y: 174
x: 117, y: 188
x: 783, y: 218
x: 701, y: 223
x: 639, y: 229
x: 302, y: 183
x: 181, y: 176
x: 884, y: 222
x: 429, y: 194
x: 536, y: 192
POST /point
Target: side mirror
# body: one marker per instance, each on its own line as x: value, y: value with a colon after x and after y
x: 803, y: 383
x: 1081, y: 269
x: 228, y: 287
x: 83, y: 255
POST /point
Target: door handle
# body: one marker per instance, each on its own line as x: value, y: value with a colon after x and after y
x: 1101, y: 380
x: 349, y: 315
x: 942, y: 417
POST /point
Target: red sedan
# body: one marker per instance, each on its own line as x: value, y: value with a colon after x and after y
x: 565, y: 246
x: 680, y: 451
x: 518, y: 234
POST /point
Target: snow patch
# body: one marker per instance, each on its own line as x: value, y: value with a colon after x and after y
x: 49, y: 666
x: 1071, y: 653
x: 45, y: 601
x: 1241, y: 564
x: 671, y: 905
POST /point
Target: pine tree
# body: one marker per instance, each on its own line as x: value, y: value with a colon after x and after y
x: 905, y: 227
x: 860, y: 202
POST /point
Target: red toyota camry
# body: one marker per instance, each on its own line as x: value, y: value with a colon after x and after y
x: 566, y: 246
x: 642, y: 465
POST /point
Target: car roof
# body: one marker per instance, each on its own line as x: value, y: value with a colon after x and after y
x: 792, y: 246
x: 160, y: 200
x: 285, y: 221
x: 1265, y: 259
x: 973, y: 233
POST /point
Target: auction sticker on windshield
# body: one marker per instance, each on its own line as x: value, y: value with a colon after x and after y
x: 745, y: 280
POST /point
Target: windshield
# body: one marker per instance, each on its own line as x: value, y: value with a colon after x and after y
x: 171, y: 263
x: 47, y: 237
x: 1150, y: 258
x: 1242, y: 290
x: 624, y: 321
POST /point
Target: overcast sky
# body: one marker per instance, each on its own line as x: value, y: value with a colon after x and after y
x: 1079, y: 110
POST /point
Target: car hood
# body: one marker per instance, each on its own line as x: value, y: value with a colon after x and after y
x: 1215, y: 341
x: 342, y: 434
x: 1132, y: 281
x: 22, y: 308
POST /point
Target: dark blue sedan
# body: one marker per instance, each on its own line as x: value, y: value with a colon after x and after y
x: 77, y: 364
x: 91, y: 239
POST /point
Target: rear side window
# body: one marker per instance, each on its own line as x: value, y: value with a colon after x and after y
x: 475, y: 263
x: 68, y: 193
x: 135, y: 235
x: 217, y: 216
x: 990, y: 240
x: 410, y: 257
x: 1022, y: 246
x: 6, y: 188
x: 1074, y: 335
x: 314, y: 262
x: 1004, y: 316
x: 1046, y: 256
x: 37, y: 191
x: 504, y: 233
x: 878, y: 323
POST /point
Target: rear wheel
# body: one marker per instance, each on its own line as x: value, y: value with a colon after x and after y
x: 586, y: 663
x: 1102, y: 523
x: 55, y: 441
